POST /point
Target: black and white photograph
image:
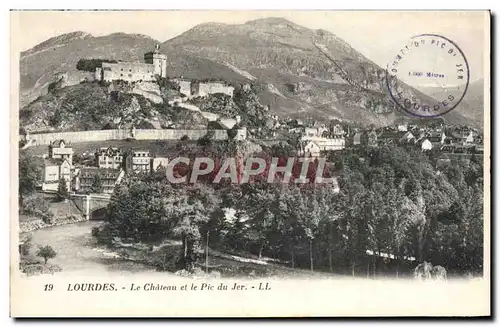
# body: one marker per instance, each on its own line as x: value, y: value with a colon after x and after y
x: 229, y: 156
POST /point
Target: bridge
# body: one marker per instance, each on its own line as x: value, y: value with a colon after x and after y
x: 93, y: 206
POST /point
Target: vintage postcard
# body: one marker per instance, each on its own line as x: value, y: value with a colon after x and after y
x: 250, y: 163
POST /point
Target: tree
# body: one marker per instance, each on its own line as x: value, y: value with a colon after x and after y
x: 35, y: 205
x: 29, y: 175
x: 96, y: 186
x: 206, y: 139
x: 258, y: 204
x: 190, y: 208
x: 91, y: 64
x: 332, y: 214
x: 231, y: 133
x: 62, y: 190
x: 46, y: 252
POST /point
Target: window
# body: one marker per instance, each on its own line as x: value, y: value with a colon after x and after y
x: 129, y: 75
x: 121, y: 75
x: 130, y: 70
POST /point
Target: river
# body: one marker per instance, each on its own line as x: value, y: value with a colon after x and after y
x: 78, y: 252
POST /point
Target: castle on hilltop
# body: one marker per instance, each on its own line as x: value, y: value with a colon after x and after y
x: 155, y: 64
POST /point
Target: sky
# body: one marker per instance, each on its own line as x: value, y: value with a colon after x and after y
x: 379, y: 35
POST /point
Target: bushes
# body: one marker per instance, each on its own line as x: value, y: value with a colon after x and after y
x: 167, y: 261
x: 90, y: 65
x: 36, y: 268
x: 62, y: 190
x: 206, y: 139
x: 25, y: 245
x: 104, y: 235
x: 231, y: 133
x: 36, y: 205
x: 95, y: 231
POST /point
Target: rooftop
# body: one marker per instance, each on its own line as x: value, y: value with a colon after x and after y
x: 52, y: 162
x: 110, y: 151
x: 57, y: 143
x: 107, y: 173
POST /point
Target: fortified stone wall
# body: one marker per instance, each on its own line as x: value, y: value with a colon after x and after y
x: 74, y: 78
x: 203, y: 89
x: 185, y: 87
x: 121, y: 134
x: 127, y: 71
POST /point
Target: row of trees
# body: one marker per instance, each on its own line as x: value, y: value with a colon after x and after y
x: 391, y: 200
x: 90, y: 65
x: 30, y: 176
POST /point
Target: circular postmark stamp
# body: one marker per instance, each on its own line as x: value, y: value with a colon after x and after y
x: 429, y: 76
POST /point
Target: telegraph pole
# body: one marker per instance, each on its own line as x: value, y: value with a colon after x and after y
x: 206, y: 254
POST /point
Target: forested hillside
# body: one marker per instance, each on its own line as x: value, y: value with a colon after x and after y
x: 392, y: 200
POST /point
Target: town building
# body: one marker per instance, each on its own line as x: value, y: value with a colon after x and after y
x: 336, y: 185
x: 155, y: 64
x: 372, y: 139
x: 228, y: 123
x: 108, y: 179
x: 463, y: 137
x: 109, y: 158
x: 437, y: 138
x: 338, y: 130
x: 407, y: 138
x: 403, y: 127
x: 320, y: 131
x: 388, y: 136
x: 138, y: 161
x: 309, y: 149
x: 356, y: 139
x: 469, y: 139
x: 326, y: 144
x: 53, y: 171
x: 60, y: 149
x: 426, y: 145
x: 448, y: 148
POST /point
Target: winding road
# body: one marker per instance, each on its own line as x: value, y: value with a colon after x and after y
x: 78, y: 252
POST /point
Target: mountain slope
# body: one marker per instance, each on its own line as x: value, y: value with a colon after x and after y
x: 303, y: 71
x: 281, y: 59
x: 39, y: 65
x: 91, y: 106
x: 472, y: 105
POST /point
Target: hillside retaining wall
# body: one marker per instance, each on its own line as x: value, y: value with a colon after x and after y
x: 120, y: 134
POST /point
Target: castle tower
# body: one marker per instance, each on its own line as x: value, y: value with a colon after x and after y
x: 158, y: 60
